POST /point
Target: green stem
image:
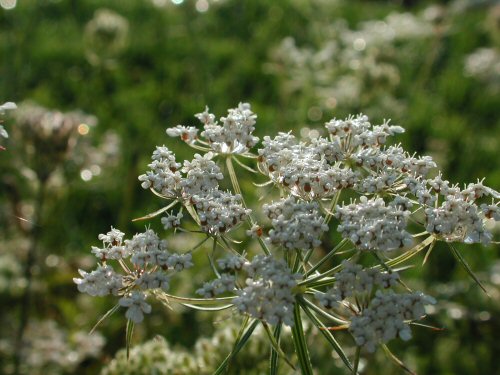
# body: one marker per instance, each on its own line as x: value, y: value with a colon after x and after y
x: 300, y: 343
x: 356, y: 360
x: 26, y: 301
x: 326, y: 257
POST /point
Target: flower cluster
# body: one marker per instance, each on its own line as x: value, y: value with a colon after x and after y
x: 353, y: 280
x: 164, y: 177
x: 268, y: 294
x: 49, y: 135
x: 459, y: 218
x: 305, y: 170
x: 387, y: 317
x: 101, y: 282
x: 106, y: 35
x: 201, y: 175
x: 484, y: 65
x: 225, y: 283
x: 296, y: 225
x: 373, y: 225
x: 351, y: 67
x: 231, y: 263
x: 234, y: 136
x: 50, y: 348
x: 150, y: 261
x: 386, y: 186
x: 219, y: 211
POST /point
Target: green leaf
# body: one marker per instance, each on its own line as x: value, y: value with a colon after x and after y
x: 239, y: 344
x: 218, y: 308
x: 466, y: 266
x: 412, y: 252
x: 104, y: 317
x: 156, y: 213
x: 396, y: 360
x: 324, y: 330
x: 162, y: 296
x: 299, y: 342
x: 244, y: 166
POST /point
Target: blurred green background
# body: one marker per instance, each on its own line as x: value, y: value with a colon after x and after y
x: 141, y: 66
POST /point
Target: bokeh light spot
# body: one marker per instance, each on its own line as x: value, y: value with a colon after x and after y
x: 83, y: 129
x: 359, y: 44
x: 202, y: 6
x: 52, y: 260
x: 86, y: 175
x: 8, y: 4
x: 314, y: 113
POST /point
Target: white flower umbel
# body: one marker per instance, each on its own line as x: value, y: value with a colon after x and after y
x: 219, y: 211
x: 234, y: 136
x: 311, y: 177
x: 172, y: 221
x: 136, y: 306
x: 179, y: 262
x: 163, y: 177
x: 231, y: 263
x: 373, y: 225
x: 387, y: 317
x: 305, y: 169
x: 153, y: 280
x: 147, y: 265
x: 112, y: 246
x: 268, y: 294
x: 202, y: 175
x: 296, y: 225
x: 101, y: 282
x: 3, y: 132
x: 225, y: 283
x: 353, y: 280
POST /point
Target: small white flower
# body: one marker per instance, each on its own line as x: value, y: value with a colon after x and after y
x: 373, y: 225
x: 137, y: 306
x: 296, y: 224
x: 268, y: 293
x: 3, y: 132
x: 387, y: 317
x: 7, y: 106
x: 103, y: 281
x: 172, y: 221
x: 187, y: 133
x: 226, y: 283
x: 231, y: 263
